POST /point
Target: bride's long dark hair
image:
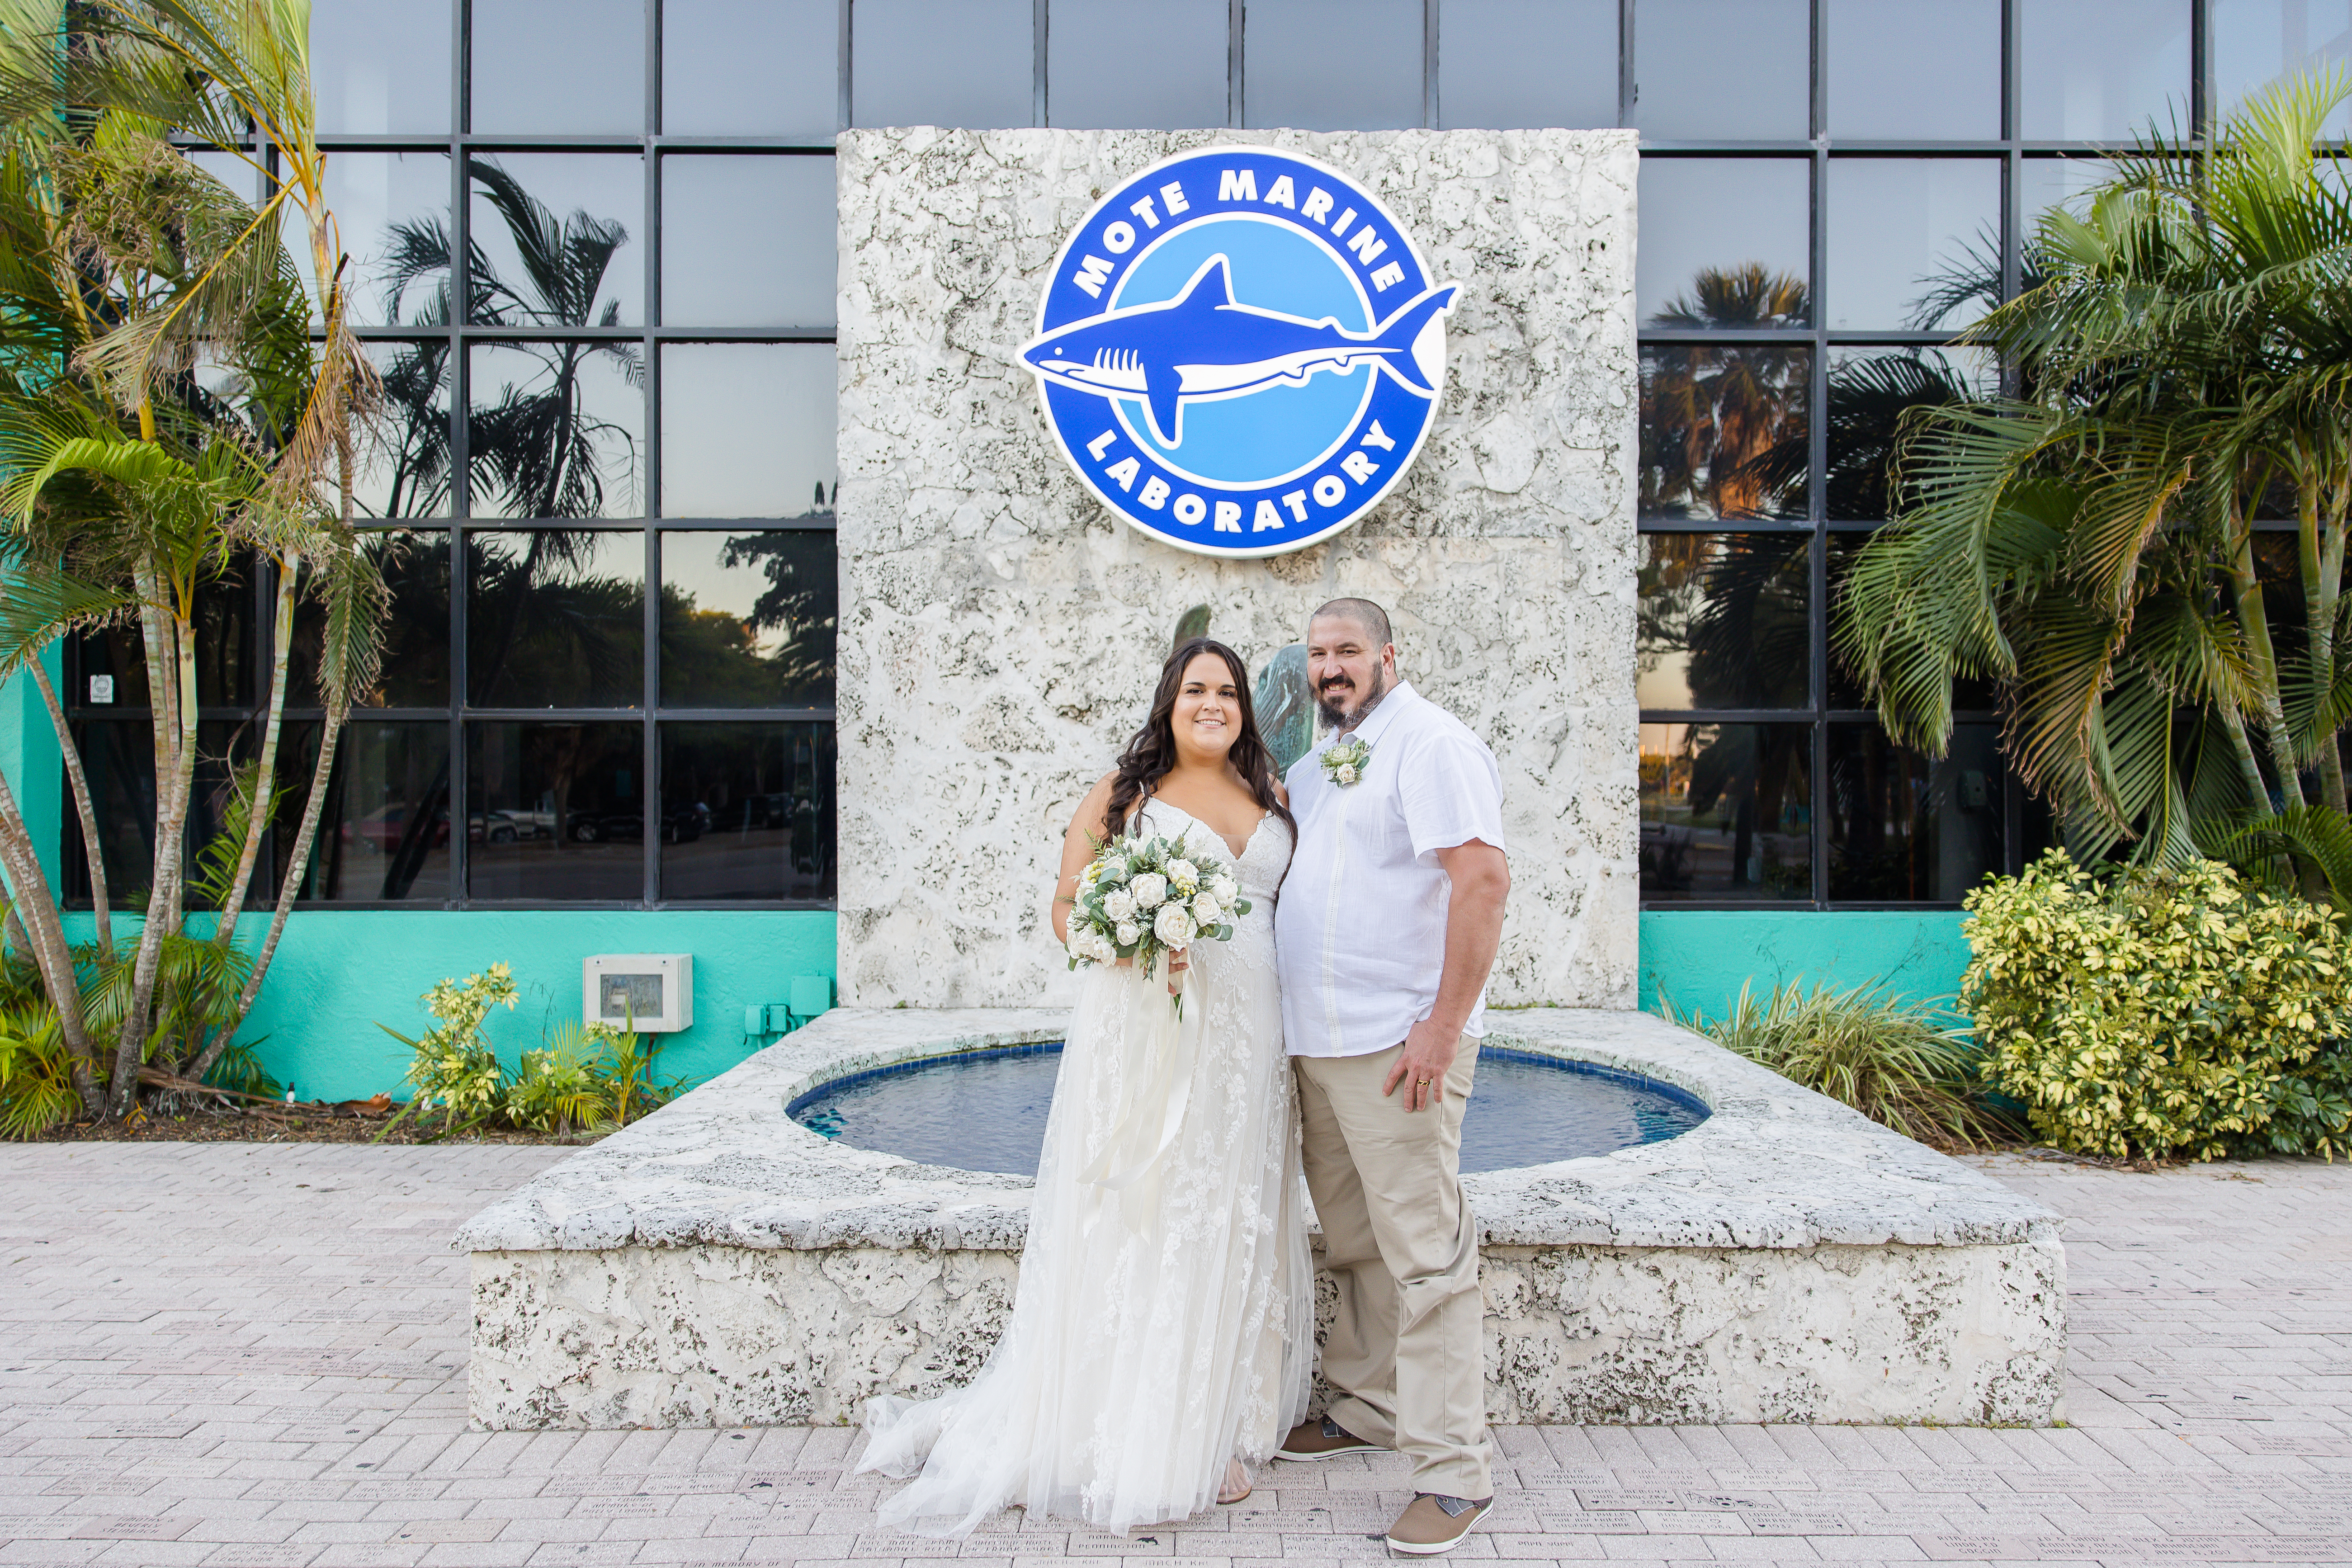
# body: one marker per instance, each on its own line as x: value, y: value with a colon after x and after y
x: 1152, y: 752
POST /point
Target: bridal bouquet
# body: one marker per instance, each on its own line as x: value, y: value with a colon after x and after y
x: 1140, y: 898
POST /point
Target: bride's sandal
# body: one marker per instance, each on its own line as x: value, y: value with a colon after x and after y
x: 1238, y: 1485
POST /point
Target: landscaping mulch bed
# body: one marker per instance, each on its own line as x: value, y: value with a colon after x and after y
x: 303, y: 1126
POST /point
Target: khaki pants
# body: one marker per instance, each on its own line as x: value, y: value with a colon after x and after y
x: 1405, y: 1349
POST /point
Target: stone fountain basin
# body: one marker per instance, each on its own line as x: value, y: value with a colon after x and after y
x: 717, y: 1264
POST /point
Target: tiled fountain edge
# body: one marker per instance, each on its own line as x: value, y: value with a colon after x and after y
x: 1787, y: 1259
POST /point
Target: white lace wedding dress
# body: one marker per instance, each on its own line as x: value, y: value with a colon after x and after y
x: 1164, y: 1319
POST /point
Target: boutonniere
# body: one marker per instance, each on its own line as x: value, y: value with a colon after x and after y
x: 1343, y: 765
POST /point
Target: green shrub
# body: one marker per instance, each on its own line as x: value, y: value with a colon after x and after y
x: 36, y: 1086
x: 1909, y: 1066
x: 579, y: 1078
x: 453, y: 1065
x: 2163, y: 1012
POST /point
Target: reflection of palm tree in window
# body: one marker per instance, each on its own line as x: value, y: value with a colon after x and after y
x: 536, y: 448
x: 1717, y: 412
x: 1736, y: 604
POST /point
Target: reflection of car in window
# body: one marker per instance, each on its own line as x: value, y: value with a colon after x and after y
x: 680, y: 825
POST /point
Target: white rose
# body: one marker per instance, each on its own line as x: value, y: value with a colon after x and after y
x: 1129, y: 935
x: 1345, y: 773
x: 1184, y: 874
x: 1119, y: 909
x: 1149, y: 891
x: 1174, y: 927
x: 1090, y: 946
x: 1208, y: 909
x: 1226, y: 892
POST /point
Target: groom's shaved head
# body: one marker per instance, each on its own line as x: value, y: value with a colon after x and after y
x: 1364, y: 613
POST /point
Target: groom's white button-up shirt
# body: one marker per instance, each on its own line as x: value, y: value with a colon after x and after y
x: 1359, y: 930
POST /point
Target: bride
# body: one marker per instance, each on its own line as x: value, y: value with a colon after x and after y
x: 1162, y: 1331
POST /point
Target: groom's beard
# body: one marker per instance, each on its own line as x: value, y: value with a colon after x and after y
x: 1337, y: 718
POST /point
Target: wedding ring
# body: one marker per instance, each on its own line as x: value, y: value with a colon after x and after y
x: 1422, y: 1081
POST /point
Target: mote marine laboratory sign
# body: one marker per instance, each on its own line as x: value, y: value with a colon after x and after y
x: 1239, y: 351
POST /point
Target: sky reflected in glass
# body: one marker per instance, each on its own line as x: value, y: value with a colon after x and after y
x: 1718, y: 214
x: 752, y: 68
x: 1906, y: 235
x: 1728, y: 69
x: 748, y: 241
x: 2100, y: 70
x: 747, y: 430
x: 1507, y: 63
x: 1922, y: 70
x: 595, y: 196
x: 559, y: 66
x: 557, y: 429
x: 380, y: 66
x: 1332, y: 65
x: 913, y: 62
x: 1091, y: 48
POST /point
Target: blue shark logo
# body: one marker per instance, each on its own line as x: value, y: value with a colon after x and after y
x: 1239, y: 351
x: 1201, y: 345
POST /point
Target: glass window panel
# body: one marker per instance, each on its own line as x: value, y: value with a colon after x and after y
x: 1726, y: 813
x: 379, y: 67
x: 1725, y: 242
x: 2102, y: 70
x: 1724, y: 69
x: 557, y: 429
x: 1912, y: 242
x: 1723, y: 431
x: 1092, y: 48
x: 393, y: 210
x: 1871, y: 391
x: 110, y: 669
x: 915, y: 62
x: 712, y: 395
x: 414, y: 669
x: 118, y: 758
x: 2047, y: 183
x: 1922, y: 70
x: 559, y: 67
x: 752, y: 68
x: 560, y: 809
x: 1332, y: 65
x: 1970, y: 694
x: 221, y: 748
x: 1721, y: 620
x: 597, y: 201
x: 383, y: 832
x: 2256, y: 42
x: 226, y: 649
x: 748, y: 619
x: 746, y: 811
x: 1905, y: 828
x: 555, y: 618
x: 748, y: 242
x: 402, y: 468
x: 231, y: 169
x: 1513, y: 63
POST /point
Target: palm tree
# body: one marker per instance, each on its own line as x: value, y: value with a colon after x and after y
x: 2089, y: 542
x: 1715, y: 414
x: 125, y: 269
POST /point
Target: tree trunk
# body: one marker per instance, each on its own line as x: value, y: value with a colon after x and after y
x: 2257, y: 626
x: 93, y: 851
x: 54, y: 955
x: 265, y: 779
x: 2249, y: 771
x: 2318, y: 617
x: 171, y: 855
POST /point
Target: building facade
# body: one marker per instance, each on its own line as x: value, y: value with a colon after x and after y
x: 599, y: 270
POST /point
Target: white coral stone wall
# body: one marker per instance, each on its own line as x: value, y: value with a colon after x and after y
x: 1000, y: 630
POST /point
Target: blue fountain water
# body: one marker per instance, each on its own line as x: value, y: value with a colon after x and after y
x: 985, y: 1111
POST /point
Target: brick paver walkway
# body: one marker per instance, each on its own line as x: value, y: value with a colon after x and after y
x: 225, y: 1355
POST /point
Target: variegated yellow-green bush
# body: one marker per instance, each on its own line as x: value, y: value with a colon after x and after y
x: 2163, y: 1012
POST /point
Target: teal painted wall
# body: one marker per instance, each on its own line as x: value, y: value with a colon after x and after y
x: 1699, y: 958
x: 30, y: 761
x: 339, y: 972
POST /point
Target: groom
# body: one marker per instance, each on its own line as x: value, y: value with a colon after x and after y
x: 1386, y: 928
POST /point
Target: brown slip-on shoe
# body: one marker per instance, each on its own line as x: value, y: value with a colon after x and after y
x: 1323, y: 1440
x: 1434, y: 1525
